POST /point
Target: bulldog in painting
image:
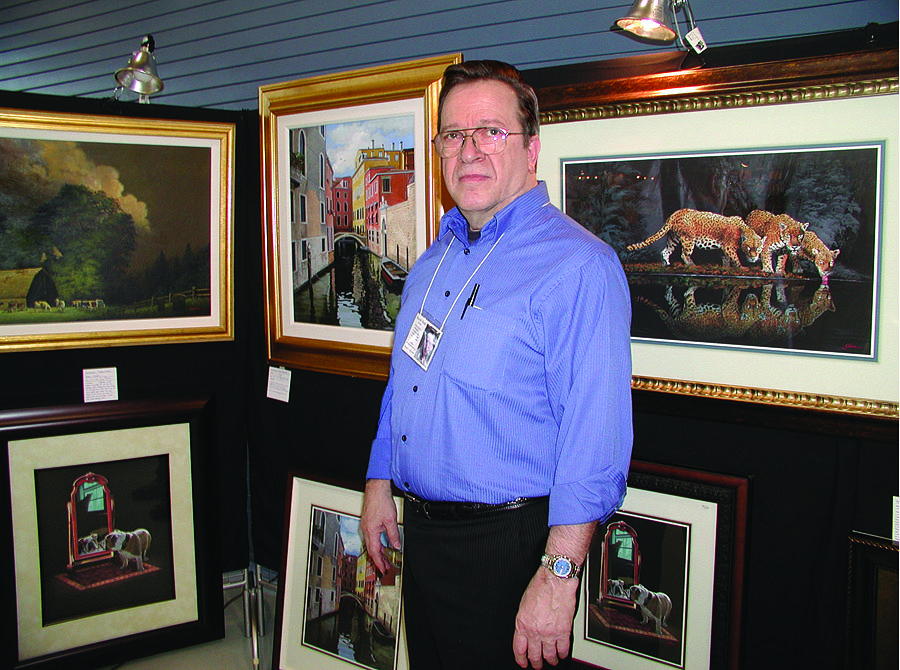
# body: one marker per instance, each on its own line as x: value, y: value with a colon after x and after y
x: 616, y: 588
x: 131, y: 546
x: 89, y: 544
x: 656, y: 606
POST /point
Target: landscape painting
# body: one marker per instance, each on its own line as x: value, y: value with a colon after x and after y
x: 120, y: 236
x: 770, y: 249
x: 335, y: 610
x: 352, y: 220
x: 351, y: 198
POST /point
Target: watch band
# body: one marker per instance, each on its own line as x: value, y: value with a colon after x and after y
x: 561, y: 566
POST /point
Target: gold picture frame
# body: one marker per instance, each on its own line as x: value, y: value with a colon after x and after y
x: 160, y: 197
x: 790, y: 103
x: 300, y: 182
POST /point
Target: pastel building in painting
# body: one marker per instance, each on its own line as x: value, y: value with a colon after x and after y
x: 369, y: 159
x: 385, y: 186
x: 398, y: 228
x: 312, y: 235
x: 325, y: 558
x: 342, y: 205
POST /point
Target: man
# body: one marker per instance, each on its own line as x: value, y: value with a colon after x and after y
x: 514, y: 438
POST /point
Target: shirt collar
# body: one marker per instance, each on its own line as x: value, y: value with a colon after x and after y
x: 454, y: 222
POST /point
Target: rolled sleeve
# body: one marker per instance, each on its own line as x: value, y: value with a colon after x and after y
x: 587, y: 328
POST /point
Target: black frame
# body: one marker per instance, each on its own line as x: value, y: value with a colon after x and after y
x: 731, y: 493
x: 20, y: 424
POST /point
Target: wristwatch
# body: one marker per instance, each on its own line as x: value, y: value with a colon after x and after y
x: 561, y: 566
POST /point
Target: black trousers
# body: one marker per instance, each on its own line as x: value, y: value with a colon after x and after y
x: 462, y: 583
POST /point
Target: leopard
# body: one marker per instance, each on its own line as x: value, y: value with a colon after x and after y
x: 781, y: 232
x: 693, y: 228
x: 815, y: 250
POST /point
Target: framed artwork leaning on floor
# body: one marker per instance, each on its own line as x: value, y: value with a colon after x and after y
x: 109, y: 532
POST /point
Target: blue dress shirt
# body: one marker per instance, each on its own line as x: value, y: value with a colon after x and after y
x: 529, y: 392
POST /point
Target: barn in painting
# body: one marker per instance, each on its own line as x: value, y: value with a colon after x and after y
x: 25, y: 288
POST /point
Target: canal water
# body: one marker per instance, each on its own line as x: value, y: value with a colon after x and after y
x: 350, y: 293
x: 348, y: 634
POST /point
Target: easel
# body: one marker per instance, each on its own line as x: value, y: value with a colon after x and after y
x: 252, y: 587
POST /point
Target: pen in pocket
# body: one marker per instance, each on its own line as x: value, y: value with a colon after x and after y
x: 471, y: 301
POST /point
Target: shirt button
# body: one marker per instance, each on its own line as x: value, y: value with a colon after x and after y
x: 403, y: 438
x: 446, y: 294
x: 415, y: 389
x: 466, y: 252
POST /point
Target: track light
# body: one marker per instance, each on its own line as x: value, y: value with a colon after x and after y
x: 140, y: 73
x: 655, y: 20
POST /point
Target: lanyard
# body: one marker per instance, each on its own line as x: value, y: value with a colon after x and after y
x: 437, y: 269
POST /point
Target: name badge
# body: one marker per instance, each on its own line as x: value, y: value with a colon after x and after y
x: 422, y: 341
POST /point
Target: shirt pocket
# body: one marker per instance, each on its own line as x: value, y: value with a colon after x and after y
x: 479, y: 356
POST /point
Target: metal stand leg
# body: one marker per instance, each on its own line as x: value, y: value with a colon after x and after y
x: 248, y: 605
x: 238, y: 579
x: 260, y: 603
x: 254, y: 621
x: 262, y: 585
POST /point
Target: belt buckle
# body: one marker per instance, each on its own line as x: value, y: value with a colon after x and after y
x: 419, y: 504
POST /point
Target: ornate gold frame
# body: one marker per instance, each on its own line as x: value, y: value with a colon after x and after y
x: 219, y: 138
x: 332, y: 348
x: 836, y: 77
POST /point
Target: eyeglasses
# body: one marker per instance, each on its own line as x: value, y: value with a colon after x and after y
x: 488, y: 140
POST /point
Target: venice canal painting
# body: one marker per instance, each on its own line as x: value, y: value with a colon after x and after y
x: 353, y: 220
x: 352, y: 612
x: 96, y: 231
x: 773, y: 250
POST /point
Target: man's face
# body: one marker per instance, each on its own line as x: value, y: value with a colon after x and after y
x: 482, y: 185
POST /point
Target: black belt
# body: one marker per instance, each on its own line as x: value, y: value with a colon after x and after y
x: 430, y: 509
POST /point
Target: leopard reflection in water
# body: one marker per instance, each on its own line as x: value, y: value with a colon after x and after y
x: 753, y: 313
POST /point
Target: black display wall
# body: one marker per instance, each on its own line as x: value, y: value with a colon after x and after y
x: 218, y: 371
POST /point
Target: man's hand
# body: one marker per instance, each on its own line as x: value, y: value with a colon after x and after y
x: 379, y: 514
x: 544, y: 621
x: 546, y: 611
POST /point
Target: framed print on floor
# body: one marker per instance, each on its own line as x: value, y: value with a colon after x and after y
x: 789, y: 295
x: 663, y: 578
x: 108, y: 533
x: 334, y: 610
x: 117, y: 231
x: 352, y: 196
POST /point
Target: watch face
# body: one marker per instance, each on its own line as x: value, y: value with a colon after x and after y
x: 562, y: 567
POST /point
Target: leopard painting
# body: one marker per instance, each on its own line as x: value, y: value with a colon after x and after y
x: 692, y: 228
x: 781, y: 233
